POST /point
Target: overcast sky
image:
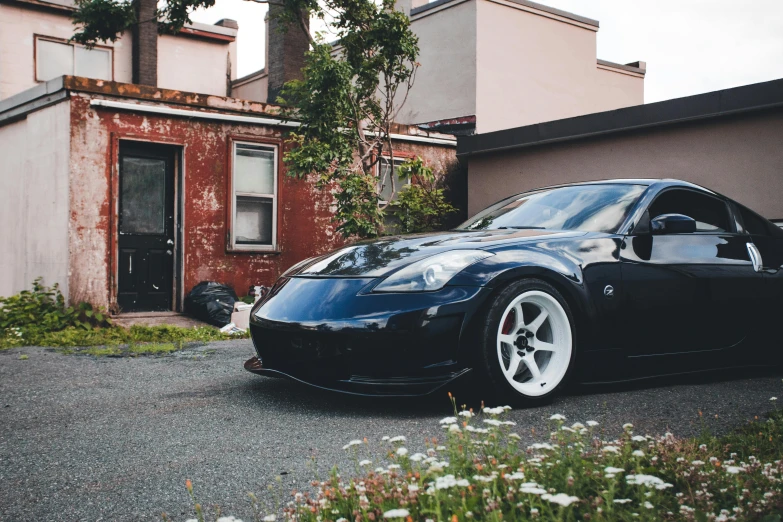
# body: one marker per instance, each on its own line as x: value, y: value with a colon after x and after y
x: 690, y: 46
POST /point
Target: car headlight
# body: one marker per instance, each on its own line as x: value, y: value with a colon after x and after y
x: 431, y: 273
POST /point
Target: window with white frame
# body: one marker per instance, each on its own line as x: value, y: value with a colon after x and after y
x: 385, y: 179
x: 255, y: 196
x: 55, y: 58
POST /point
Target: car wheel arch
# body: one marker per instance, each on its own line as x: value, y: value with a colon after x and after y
x: 567, y: 288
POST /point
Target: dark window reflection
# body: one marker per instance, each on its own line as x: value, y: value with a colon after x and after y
x: 592, y: 208
x: 143, y: 193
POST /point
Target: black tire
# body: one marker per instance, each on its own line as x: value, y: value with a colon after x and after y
x: 488, y: 372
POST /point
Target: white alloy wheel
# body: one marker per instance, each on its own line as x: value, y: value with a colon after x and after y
x: 534, y: 343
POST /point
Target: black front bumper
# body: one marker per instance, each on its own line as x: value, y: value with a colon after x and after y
x: 334, y: 334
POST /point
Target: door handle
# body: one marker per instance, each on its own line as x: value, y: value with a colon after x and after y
x: 755, y: 256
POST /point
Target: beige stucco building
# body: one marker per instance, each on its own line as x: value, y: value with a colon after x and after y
x: 494, y: 64
x: 34, y: 48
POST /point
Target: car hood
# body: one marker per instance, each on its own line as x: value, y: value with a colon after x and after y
x: 377, y: 257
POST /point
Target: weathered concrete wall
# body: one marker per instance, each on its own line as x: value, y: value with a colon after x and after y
x: 19, y: 24
x: 304, y: 214
x: 739, y: 156
x: 34, y: 207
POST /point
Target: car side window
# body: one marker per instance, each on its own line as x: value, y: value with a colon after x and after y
x: 711, y: 214
x: 756, y: 225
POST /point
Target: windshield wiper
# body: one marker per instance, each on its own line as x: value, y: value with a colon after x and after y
x: 522, y: 228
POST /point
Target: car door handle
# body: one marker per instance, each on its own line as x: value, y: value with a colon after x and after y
x: 755, y: 256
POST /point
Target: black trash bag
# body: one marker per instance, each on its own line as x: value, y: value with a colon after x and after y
x: 211, y: 302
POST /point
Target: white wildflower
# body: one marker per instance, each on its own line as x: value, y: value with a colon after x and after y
x: 592, y: 423
x: 365, y: 463
x: 352, y: 443
x: 628, y: 426
x: 557, y: 417
x: 492, y: 422
x: 393, y: 466
x: 733, y: 469
x: 402, y: 452
x: 494, y: 411
x: 610, y: 449
x: 385, y: 438
x: 396, y: 513
x: 466, y: 413
x: 638, y: 453
x: 648, y: 505
x: 270, y: 518
x: 638, y: 438
x: 517, y: 475
x: 622, y: 500
x: 453, y: 428
x: 773, y: 398
x: 577, y: 426
x: 610, y: 469
x: 532, y: 490
x: 561, y: 498
x: 398, y: 438
x: 448, y: 420
x: 416, y: 457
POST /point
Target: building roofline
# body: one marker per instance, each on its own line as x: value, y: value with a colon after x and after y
x: 249, y: 77
x: 19, y: 105
x: 635, y: 67
x: 147, y: 99
x: 526, y: 3
x: 197, y: 29
x: 715, y: 104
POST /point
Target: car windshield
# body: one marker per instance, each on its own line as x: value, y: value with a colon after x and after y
x: 591, y: 208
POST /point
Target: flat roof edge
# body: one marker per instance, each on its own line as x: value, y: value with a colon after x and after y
x: 526, y: 3
x: 724, y: 102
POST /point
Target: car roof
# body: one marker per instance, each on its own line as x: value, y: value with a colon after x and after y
x: 660, y: 182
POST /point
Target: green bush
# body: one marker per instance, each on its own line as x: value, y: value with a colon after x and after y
x: 421, y: 206
x: 42, y: 310
x: 40, y: 318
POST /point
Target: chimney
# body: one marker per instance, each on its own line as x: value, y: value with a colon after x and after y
x: 145, y: 43
x: 285, y: 52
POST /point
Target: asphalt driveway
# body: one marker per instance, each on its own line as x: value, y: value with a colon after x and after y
x: 84, y: 438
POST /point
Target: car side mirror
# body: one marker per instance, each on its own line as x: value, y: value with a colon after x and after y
x: 672, y: 224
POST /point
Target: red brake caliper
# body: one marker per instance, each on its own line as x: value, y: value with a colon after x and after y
x: 508, y: 324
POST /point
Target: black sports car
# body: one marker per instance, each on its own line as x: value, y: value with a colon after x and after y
x: 603, y: 281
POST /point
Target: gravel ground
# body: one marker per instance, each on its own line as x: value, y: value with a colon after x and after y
x: 85, y: 438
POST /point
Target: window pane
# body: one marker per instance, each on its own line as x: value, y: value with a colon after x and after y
x: 385, y: 179
x: 711, y: 214
x: 142, y: 196
x: 53, y: 59
x: 254, y: 169
x: 254, y: 221
x: 95, y: 63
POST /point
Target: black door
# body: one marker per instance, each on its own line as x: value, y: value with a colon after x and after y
x: 688, y: 292
x: 146, y: 228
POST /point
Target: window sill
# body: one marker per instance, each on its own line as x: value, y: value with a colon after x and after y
x: 251, y: 250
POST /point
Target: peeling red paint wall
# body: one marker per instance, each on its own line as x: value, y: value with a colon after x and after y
x: 304, y: 226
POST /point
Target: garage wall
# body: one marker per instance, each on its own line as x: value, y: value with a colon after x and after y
x: 34, y: 200
x: 739, y: 156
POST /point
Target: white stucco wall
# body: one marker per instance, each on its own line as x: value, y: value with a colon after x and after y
x: 18, y: 27
x: 34, y: 199
x: 185, y: 63
x: 535, y: 67
x: 445, y: 85
x: 191, y: 64
x: 255, y: 89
